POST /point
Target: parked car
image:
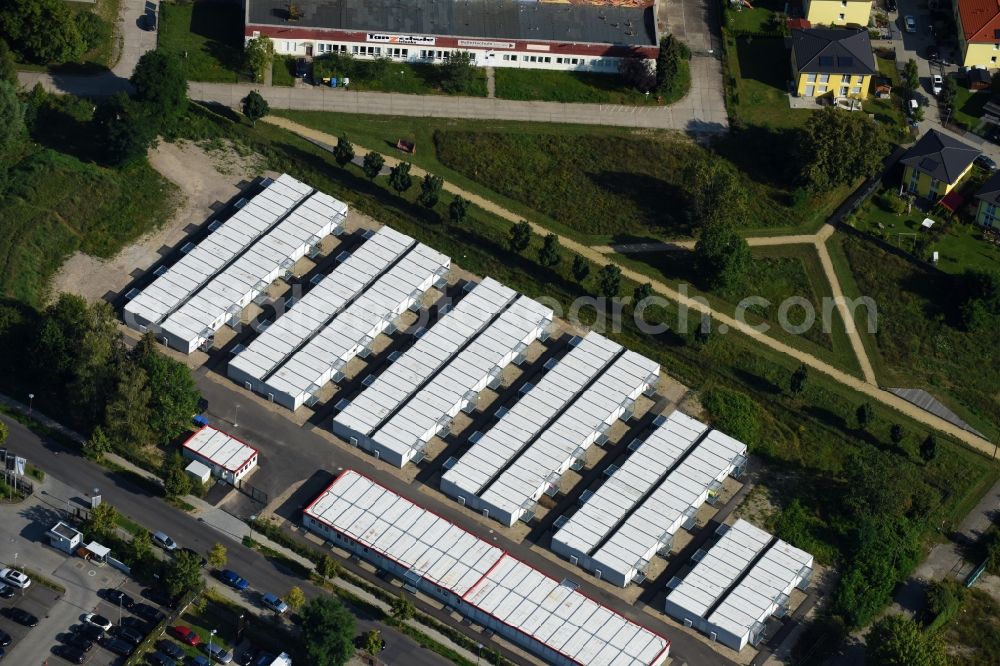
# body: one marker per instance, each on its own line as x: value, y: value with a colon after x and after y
x: 79, y: 642
x: 98, y: 621
x: 71, y: 654
x: 233, y: 579
x: 301, y: 68
x: 136, y: 623
x: 157, y: 658
x: 986, y: 162
x: 936, y: 84
x: 911, y: 23
x: 4, y: 639
x: 15, y: 578
x: 933, y: 52
x: 118, y: 597
x: 20, y: 616
x: 185, y: 635
x: 119, y: 647
x: 218, y: 653
x: 129, y: 634
x: 171, y: 649
x: 6, y: 591
x: 164, y: 542
x: 148, y: 613
x: 274, y: 603
x: 89, y: 631
x: 199, y: 660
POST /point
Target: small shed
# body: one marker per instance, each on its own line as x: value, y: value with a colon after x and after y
x: 883, y: 87
x: 64, y: 537
x: 979, y: 79
x: 199, y: 471
x: 95, y: 552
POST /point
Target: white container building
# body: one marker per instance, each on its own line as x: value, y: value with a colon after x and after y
x: 314, y: 311
x: 222, y: 299
x: 552, y: 620
x: 176, y: 284
x: 456, y: 387
x: 518, y: 428
x: 743, y: 580
x: 229, y: 458
x: 353, y: 331
x: 390, y: 391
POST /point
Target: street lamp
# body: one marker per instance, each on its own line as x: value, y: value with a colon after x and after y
x: 237, y: 417
x: 31, y: 402
x: 479, y: 651
x: 253, y: 519
x: 119, y: 610
x: 210, y: 637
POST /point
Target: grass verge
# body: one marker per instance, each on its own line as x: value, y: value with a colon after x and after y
x: 578, y: 87
x: 208, y: 36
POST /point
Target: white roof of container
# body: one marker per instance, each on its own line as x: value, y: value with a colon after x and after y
x: 532, y: 413
x: 711, y: 460
x: 754, y: 599
x: 314, y: 218
x: 576, y: 427
x: 562, y: 618
x: 485, y: 577
x: 490, y: 349
x: 220, y: 448
x: 324, y: 301
x: 645, y: 467
x: 411, y: 536
x: 435, y: 348
x: 168, y: 291
x: 382, y: 302
x: 719, y: 568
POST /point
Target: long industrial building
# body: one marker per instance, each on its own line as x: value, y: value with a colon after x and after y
x: 212, y: 283
x: 658, y: 489
x: 442, y: 373
x: 744, y: 579
x: 549, y: 618
x: 550, y: 429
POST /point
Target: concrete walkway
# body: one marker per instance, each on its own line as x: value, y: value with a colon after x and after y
x: 723, y: 322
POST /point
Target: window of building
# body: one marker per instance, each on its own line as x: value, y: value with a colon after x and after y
x: 843, y: 91
x: 548, y: 59
x: 990, y: 215
x: 824, y: 78
x: 843, y: 3
x: 914, y: 181
x: 576, y: 61
x: 354, y: 50
x: 559, y: 61
x: 840, y: 17
x: 993, y: 59
x: 856, y: 90
x: 821, y: 90
x: 810, y: 78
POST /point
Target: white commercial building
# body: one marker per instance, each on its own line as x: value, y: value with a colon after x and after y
x: 230, y: 459
x: 329, y: 295
x: 743, y: 580
x: 635, y: 514
x: 229, y: 240
x: 456, y: 387
x: 352, y: 332
x: 551, y: 619
x: 386, y: 394
x: 221, y: 300
x: 515, y: 484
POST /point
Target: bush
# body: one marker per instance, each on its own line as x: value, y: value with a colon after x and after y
x: 93, y: 29
x: 735, y: 414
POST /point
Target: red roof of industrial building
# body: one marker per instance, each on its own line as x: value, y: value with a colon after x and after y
x: 980, y: 19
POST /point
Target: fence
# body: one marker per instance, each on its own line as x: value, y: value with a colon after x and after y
x: 18, y: 483
x: 254, y: 493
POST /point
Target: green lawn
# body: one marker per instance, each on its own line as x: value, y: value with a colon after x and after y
x: 969, y: 107
x: 207, y: 35
x: 759, y: 19
x: 761, y: 70
x: 589, y: 87
x: 283, y: 71
x: 383, y: 75
x: 972, y: 637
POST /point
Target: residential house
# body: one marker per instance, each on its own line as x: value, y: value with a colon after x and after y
x: 978, y: 24
x: 837, y: 61
x: 935, y: 164
x: 837, y: 12
x: 988, y: 213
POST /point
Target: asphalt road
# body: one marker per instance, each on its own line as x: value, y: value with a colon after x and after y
x: 154, y: 514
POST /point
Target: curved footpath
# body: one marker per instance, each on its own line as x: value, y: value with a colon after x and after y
x: 722, y: 320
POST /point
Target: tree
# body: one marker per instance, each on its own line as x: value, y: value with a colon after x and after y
x: 896, y: 640
x: 896, y: 434
x: 928, y: 448
x: 581, y: 268
x: 797, y: 383
x: 837, y: 147
x: 176, y: 482
x: 978, y: 299
x: 255, y: 107
x: 12, y: 127
x: 399, y: 177
x: 161, y: 86
x: 43, y: 31
x: 911, y: 75
x: 123, y: 130
x: 642, y: 292
x: 735, y: 414
x: 343, y: 152
x: 402, y: 608
x: 722, y: 257
x: 519, y: 236
x: 457, y: 73
x: 372, y: 165
x: 93, y: 30
x: 175, y: 394
x: 295, y: 598
x: 258, y: 54
x: 141, y: 546
x: 793, y: 525
x: 458, y: 210
x: 430, y: 190
x: 8, y: 67
x: 103, y: 521
x: 548, y: 254
x: 3, y: 432
x: 669, y: 64
x: 864, y: 415
x: 717, y: 193
x: 949, y: 90
x: 327, y: 632
x: 328, y: 567
x: 609, y: 280
x: 183, y: 574
x: 373, y: 642
x: 217, y: 556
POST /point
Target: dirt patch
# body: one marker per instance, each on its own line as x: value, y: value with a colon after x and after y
x: 204, y: 178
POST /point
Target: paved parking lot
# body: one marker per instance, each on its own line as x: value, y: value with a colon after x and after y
x: 38, y: 601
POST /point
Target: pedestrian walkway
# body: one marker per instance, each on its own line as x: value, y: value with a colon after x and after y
x: 491, y: 83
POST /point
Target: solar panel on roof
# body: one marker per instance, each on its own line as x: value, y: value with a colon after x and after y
x: 928, y: 164
x: 826, y: 61
x: 845, y: 61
